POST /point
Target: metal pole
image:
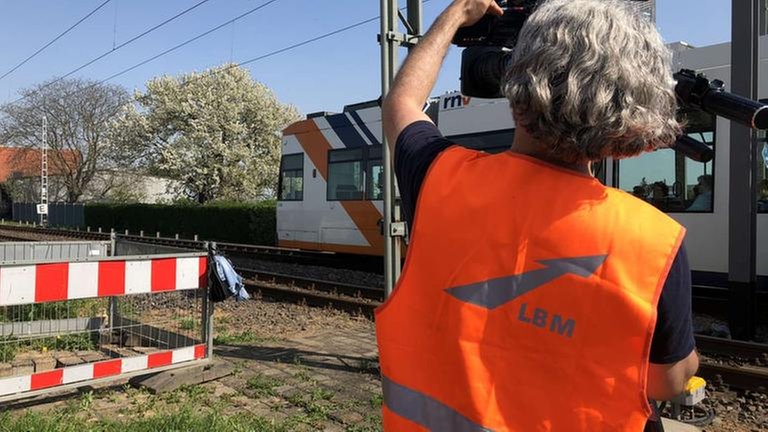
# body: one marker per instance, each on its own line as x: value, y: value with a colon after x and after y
x: 114, y: 310
x: 742, y: 206
x: 391, y: 39
x: 388, y: 61
x: 207, y: 306
x: 414, y: 16
x: 44, y: 173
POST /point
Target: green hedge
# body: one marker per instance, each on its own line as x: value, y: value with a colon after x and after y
x: 225, y: 222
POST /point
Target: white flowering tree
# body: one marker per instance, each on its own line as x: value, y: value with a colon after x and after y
x: 218, y: 132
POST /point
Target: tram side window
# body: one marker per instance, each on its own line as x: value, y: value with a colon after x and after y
x: 346, y: 174
x: 292, y: 177
x: 375, y: 175
x: 670, y: 181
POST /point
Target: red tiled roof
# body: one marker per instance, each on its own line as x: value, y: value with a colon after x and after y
x: 25, y: 162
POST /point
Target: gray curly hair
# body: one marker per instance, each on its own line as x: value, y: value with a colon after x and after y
x: 592, y: 79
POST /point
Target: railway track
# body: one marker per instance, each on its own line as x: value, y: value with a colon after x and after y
x: 706, y: 299
x: 363, y: 300
x: 737, y: 377
x: 713, y: 300
x: 315, y: 285
x: 7, y: 238
x: 296, y: 256
x: 359, y: 300
x: 757, y: 352
x: 738, y: 364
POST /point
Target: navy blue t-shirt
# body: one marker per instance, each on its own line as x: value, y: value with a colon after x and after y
x: 419, y: 145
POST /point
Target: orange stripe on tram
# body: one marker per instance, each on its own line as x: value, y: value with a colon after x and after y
x: 364, y: 214
x: 366, y: 217
x: 314, y: 144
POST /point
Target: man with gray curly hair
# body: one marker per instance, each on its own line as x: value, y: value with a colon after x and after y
x: 592, y: 80
x: 534, y: 297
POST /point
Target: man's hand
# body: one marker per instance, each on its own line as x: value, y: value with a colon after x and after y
x: 473, y: 10
x: 413, y: 84
x: 667, y: 381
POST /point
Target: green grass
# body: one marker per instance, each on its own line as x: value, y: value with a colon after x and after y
x: 317, y: 405
x: 10, y: 346
x: 263, y: 385
x: 190, y: 408
x: 54, y: 310
x: 126, y: 309
x: 71, y: 342
x: 188, y: 323
x: 86, y: 400
x: 185, y: 419
x: 369, y: 425
x: 377, y: 401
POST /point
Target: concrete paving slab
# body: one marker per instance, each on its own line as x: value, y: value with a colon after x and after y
x: 676, y: 426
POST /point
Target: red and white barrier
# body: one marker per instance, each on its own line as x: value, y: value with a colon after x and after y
x: 97, y: 370
x: 47, y: 282
x: 43, y: 282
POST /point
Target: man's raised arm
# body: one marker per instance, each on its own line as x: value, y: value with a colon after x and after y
x: 415, y: 80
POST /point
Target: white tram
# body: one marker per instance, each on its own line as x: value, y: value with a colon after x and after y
x: 331, y: 180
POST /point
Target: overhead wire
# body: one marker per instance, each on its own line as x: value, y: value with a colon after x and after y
x: 189, y: 41
x: 128, y: 42
x: 51, y: 42
x: 254, y: 59
x: 230, y: 66
x: 315, y: 39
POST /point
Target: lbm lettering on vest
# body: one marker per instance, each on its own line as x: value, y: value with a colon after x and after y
x: 541, y: 318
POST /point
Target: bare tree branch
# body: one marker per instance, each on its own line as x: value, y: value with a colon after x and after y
x: 79, y: 114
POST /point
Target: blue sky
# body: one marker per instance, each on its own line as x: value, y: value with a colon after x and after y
x: 323, y: 76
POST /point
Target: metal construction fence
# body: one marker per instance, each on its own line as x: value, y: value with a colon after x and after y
x: 71, y: 322
x: 11, y: 252
x: 59, y: 214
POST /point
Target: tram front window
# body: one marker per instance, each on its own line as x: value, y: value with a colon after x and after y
x: 292, y: 178
x: 669, y: 180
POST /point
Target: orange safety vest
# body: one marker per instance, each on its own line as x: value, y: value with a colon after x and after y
x: 527, y: 302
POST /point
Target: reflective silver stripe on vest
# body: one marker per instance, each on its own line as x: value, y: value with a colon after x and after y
x: 425, y: 411
x: 493, y: 293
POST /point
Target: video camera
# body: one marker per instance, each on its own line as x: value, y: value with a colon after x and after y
x: 487, y: 46
x: 488, y: 43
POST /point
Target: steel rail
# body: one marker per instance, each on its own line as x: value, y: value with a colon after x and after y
x: 320, y: 258
x: 315, y: 285
x: 715, y: 345
x: 739, y: 377
x: 312, y: 298
x: 363, y: 300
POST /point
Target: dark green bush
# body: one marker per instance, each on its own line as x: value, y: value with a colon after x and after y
x: 224, y: 222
